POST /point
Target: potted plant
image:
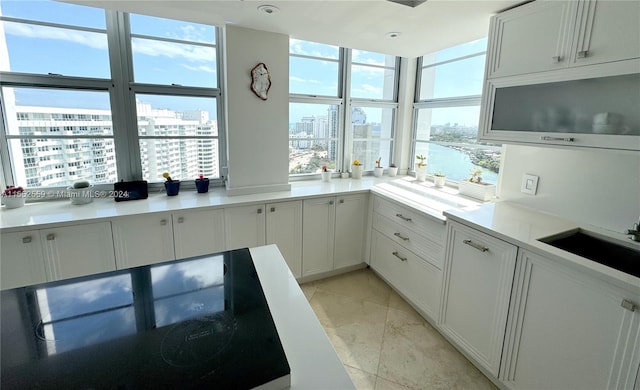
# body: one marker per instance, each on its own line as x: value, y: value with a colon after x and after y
x: 476, y: 188
x: 439, y: 179
x: 326, y: 175
x: 13, y: 197
x: 80, y: 192
x: 356, y: 169
x: 421, y: 168
x: 202, y: 184
x: 393, y: 170
x: 171, y: 186
x: 378, y: 169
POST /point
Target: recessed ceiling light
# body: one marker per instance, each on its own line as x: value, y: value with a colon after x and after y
x: 392, y: 34
x: 268, y: 9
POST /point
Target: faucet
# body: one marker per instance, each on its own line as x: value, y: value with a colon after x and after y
x: 635, y: 232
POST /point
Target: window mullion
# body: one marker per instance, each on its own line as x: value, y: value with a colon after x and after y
x: 347, y: 139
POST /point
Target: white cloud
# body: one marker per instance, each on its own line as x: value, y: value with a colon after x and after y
x: 201, y: 68
x: 172, y: 50
x: 93, y: 40
x: 301, y: 80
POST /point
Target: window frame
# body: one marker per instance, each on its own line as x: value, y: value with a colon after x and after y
x: 122, y: 90
x: 446, y: 102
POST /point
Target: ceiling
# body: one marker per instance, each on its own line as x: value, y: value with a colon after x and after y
x: 359, y: 24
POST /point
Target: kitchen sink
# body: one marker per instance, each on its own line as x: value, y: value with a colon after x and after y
x: 597, y: 248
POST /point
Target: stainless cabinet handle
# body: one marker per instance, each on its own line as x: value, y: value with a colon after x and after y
x: 260, y: 211
x: 479, y: 247
x: 26, y: 240
x: 180, y: 220
x: 331, y: 202
x: 583, y: 53
x: 51, y: 237
x: 547, y: 138
x: 398, y: 256
x: 627, y: 304
x: 403, y: 217
x: 400, y: 236
x: 341, y: 200
x: 273, y: 209
x: 556, y: 59
x: 163, y: 222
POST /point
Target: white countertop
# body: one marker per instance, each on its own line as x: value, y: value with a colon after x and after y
x: 523, y: 227
x: 313, y: 361
x: 43, y: 214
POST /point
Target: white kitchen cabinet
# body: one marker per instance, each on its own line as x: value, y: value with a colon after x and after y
x: 478, y: 276
x: 284, y: 228
x: 198, y: 232
x: 351, y: 222
x: 143, y: 239
x: 549, y: 35
x: 418, y: 280
x: 244, y: 226
x: 333, y: 232
x: 568, y: 329
x: 77, y: 250
x: 318, y: 232
x: 22, y: 261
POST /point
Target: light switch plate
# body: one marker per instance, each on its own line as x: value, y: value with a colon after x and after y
x: 529, y: 184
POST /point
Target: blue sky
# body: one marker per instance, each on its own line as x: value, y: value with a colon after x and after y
x: 40, y: 49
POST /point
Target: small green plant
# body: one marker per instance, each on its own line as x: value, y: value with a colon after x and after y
x: 476, y: 176
x: 392, y: 165
x: 421, y: 160
x: 81, y: 184
x: 378, y: 162
x: 439, y: 174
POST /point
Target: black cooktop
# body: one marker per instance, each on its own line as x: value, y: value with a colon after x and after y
x: 201, y: 322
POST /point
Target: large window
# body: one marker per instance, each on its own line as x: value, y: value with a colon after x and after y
x: 89, y: 94
x: 342, y: 107
x: 447, y: 112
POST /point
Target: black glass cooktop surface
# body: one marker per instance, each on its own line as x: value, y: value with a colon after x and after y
x: 198, y: 323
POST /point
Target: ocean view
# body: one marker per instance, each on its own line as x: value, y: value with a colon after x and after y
x: 455, y: 163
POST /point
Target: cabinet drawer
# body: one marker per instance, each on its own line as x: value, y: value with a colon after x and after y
x: 417, y: 279
x: 411, y: 219
x: 410, y: 239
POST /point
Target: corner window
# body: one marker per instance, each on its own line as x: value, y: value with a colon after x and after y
x: 447, y: 112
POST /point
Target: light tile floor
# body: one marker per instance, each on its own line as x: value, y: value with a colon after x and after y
x: 382, y: 341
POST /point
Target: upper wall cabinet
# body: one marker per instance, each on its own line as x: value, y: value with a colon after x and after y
x: 564, y: 73
x: 550, y: 35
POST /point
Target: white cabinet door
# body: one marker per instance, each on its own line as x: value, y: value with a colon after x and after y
x: 198, y: 233
x: 318, y: 231
x: 569, y: 330
x: 532, y: 38
x: 143, y: 239
x: 606, y: 31
x: 351, y: 223
x: 244, y: 226
x: 22, y: 262
x: 78, y: 250
x: 284, y: 228
x: 478, y: 276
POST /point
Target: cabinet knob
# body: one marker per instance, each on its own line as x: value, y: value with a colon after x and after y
x: 273, y: 209
x: 556, y: 59
x: 260, y: 211
x: 341, y: 200
x: 583, y: 53
x: 180, y: 219
x: 627, y: 304
x: 26, y: 240
x: 51, y: 237
x: 163, y: 222
x: 395, y: 253
x: 403, y: 217
x: 400, y: 236
x: 331, y: 202
x: 479, y: 247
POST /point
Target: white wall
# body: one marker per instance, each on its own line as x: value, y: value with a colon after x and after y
x: 594, y: 187
x: 257, y: 130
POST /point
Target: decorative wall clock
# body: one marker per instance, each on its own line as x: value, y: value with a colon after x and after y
x: 260, y: 81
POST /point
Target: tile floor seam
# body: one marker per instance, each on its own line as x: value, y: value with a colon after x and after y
x: 350, y: 296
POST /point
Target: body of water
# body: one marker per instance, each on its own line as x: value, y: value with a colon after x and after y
x: 455, y: 164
